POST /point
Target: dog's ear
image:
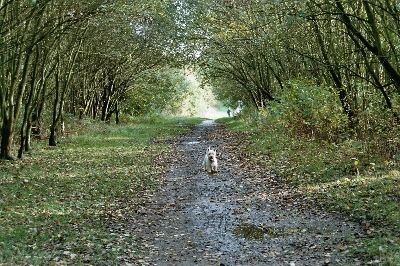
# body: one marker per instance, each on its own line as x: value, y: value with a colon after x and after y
x: 209, y: 148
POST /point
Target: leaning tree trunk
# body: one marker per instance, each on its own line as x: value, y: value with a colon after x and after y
x: 336, y: 78
x: 28, y: 111
x: 376, y: 81
x: 374, y: 46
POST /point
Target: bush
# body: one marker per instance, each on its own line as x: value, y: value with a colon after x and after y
x: 309, y: 110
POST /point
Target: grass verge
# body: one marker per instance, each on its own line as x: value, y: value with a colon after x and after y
x: 341, y: 177
x: 55, y: 205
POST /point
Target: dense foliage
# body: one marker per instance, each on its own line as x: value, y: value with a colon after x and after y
x: 80, y: 58
x: 332, y: 65
x: 320, y: 84
x: 345, y: 52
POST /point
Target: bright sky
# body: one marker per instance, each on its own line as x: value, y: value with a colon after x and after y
x: 214, y: 113
x: 205, y: 100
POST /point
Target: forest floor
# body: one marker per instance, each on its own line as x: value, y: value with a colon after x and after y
x: 243, y: 215
x: 57, y: 204
x: 136, y: 194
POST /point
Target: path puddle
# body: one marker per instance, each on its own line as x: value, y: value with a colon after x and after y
x: 191, y: 142
x: 250, y: 231
x: 207, y: 122
x: 254, y: 232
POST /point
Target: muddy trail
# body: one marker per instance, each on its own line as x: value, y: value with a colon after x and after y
x: 234, y: 217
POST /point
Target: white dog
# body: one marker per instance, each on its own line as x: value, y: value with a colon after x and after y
x: 210, y: 162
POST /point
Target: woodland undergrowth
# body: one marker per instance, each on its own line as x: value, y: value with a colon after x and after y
x: 358, y: 177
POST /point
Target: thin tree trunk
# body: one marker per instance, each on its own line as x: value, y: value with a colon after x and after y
x: 337, y: 80
x: 373, y: 48
x: 7, y: 138
x: 116, y: 113
x: 53, y: 133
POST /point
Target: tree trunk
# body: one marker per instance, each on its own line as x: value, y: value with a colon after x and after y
x: 95, y: 108
x: 27, y: 110
x: 376, y: 81
x: 105, y: 99
x: 6, y: 138
x: 116, y: 113
x: 53, y: 136
x: 336, y: 78
x: 28, y: 136
x: 108, y: 117
x: 374, y: 48
x: 22, y: 140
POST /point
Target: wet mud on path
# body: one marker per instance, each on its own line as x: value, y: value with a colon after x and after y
x: 232, y: 217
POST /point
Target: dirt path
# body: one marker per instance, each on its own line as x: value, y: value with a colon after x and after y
x: 232, y: 218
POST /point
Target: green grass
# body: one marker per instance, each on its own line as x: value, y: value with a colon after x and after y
x: 343, y: 177
x: 56, y: 204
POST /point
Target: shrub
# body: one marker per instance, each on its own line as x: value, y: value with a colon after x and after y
x: 309, y: 110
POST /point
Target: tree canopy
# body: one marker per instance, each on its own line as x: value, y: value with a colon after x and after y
x: 99, y: 58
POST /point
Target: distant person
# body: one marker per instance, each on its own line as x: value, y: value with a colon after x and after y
x: 229, y: 112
